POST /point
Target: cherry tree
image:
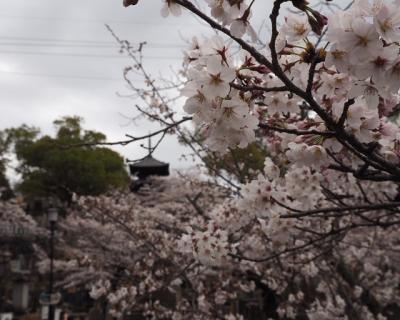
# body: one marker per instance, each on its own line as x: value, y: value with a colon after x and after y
x: 125, y: 248
x: 316, y: 231
x: 18, y: 226
x: 21, y: 241
x: 166, y: 253
x: 318, y: 225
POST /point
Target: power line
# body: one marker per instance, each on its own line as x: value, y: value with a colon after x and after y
x: 84, y: 55
x: 77, y: 45
x: 65, y: 76
x: 53, y: 39
x: 59, y: 45
x: 102, y: 21
x: 77, y: 41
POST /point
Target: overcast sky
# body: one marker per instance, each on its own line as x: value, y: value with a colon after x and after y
x: 57, y: 59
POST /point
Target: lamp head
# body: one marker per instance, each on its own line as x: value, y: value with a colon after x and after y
x: 53, y: 214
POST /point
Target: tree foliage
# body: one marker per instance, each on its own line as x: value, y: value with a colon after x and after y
x: 241, y: 164
x: 59, y: 166
x: 5, y: 188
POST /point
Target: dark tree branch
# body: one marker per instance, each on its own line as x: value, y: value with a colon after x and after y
x: 297, y: 132
x: 131, y: 138
x: 368, y: 207
x: 258, y: 88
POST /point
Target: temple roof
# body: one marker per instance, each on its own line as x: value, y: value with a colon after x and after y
x: 149, y: 166
x: 147, y: 162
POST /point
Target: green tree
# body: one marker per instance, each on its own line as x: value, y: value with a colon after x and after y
x: 241, y: 164
x: 5, y: 189
x: 54, y: 166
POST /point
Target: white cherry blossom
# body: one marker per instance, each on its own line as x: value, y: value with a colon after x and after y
x: 387, y: 22
x: 214, y: 81
x: 296, y: 28
x: 170, y: 6
x: 377, y: 65
x: 361, y: 41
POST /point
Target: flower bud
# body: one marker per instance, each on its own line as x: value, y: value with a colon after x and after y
x: 316, y: 20
x: 300, y: 4
x: 128, y: 3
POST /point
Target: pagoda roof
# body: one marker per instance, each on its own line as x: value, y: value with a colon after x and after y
x: 147, y: 162
x: 149, y: 166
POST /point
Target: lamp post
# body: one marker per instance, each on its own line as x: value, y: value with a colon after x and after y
x: 52, y: 216
x: 5, y: 258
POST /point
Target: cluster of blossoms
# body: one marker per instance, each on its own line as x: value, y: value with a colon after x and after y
x: 327, y: 281
x: 323, y: 105
x: 316, y: 229
x: 360, y: 63
x: 223, y: 115
x: 15, y: 223
x: 210, y: 247
x: 236, y: 14
x: 127, y: 250
x: 364, y: 48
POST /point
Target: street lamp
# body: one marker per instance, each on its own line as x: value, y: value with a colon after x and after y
x: 52, y: 217
x: 5, y: 258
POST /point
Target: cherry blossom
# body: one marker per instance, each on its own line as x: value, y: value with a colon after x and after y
x: 296, y: 28
x: 170, y: 7
x: 387, y: 22
x: 215, y: 81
